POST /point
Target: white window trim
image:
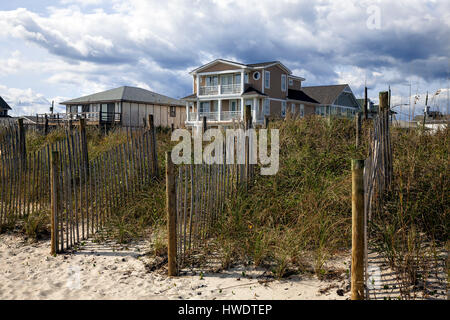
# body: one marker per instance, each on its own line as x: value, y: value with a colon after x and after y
x: 267, y: 111
x: 292, y: 108
x: 256, y: 73
x: 291, y: 82
x: 283, y: 76
x: 283, y: 106
x: 266, y: 78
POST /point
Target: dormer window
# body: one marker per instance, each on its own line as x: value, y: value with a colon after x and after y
x: 256, y: 75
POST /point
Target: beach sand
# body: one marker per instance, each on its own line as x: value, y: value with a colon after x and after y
x: 111, y: 271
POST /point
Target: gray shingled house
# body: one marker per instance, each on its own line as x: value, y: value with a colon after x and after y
x: 127, y: 106
x: 4, y: 108
x: 334, y: 100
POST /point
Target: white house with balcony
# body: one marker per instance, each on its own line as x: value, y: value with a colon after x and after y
x: 222, y: 88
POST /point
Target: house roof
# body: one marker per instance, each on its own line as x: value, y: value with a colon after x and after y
x: 325, y: 94
x: 4, y: 105
x: 241, y: 65
x: 300, y: 96
x: 191, y: 96
x: 252, y: 91
x: 125, y: 93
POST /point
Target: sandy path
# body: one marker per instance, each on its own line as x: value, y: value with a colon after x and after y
x: 108, y: 271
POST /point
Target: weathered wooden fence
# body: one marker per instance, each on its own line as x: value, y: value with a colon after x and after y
x: 197, y: 195
x: 24, y: 177
x: 378, y: 172
x: 79, y: 193
x: 86, y: 194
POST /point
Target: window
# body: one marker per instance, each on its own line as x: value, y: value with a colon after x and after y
x: 212, y: 81
x: 237, y: 78
x: 256, y: 75
x: 267, y: 107
x: 283, y: 82
x: 302, y: 110
x: 291, y: 82
x: 293, y: 108
x: 173, y: 112
x: 283, y: 109
x: 267, y: 80
x: 246, y: 77
x: 204, y: 107
x: 233, y: 105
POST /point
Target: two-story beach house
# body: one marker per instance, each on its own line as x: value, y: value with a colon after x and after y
x: 222, y: 88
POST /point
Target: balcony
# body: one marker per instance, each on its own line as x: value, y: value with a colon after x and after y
x: 225, y: 116
x: 220, y: 89
x: 91, y: 117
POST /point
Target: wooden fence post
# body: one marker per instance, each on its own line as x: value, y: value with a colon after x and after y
x: 22, y: 144
x: 171, y: 215
x: 365, y: 109
x: 46, y: 125
x: 84, y: 148
x: 358, y: 129
x: 152, y: 129
x: 54, y: 200
x: 248, y: 124
x: 357, y: 272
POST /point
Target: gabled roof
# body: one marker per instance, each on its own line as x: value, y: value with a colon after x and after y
x: 300, y: 96
x: 325, y: 94
x: 4, y: 105
x: 189, y: 97
x: 252, y: 91
x: 125, y: 93
x: 242, y: 65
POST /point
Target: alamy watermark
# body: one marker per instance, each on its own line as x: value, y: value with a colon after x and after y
x: 74, y: 278
x: 229, y: 148
x: 373, y: 21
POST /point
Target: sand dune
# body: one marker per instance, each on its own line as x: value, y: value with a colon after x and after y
x: 110, y: 271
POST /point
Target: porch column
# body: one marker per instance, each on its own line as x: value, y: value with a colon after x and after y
x: 198, y: 110
x: 198, y: 85
x: 219, y: 109
x: 242, y: 82
x: 187, y: 110
x: 255, y: 108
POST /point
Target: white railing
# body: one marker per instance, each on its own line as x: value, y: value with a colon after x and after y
x: 230, y: 115
x: 230, y: 88
x: 222, y: 89
x: 214, y: 116
x: 209, y: 90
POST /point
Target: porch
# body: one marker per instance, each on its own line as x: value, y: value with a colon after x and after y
x: 224, y: 111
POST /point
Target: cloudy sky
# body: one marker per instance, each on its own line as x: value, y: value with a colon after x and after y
x: 54, y: 50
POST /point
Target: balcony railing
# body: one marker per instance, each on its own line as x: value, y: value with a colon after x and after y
x: 100, y: 117
x: 214, y: 116
x: 220, y: 89
x: 209, y: 90
x: 230, y: 88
